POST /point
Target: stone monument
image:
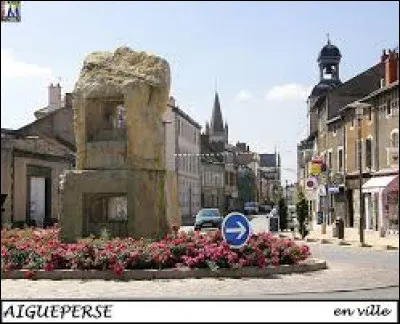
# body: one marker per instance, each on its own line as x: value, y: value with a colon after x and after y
x: 120, y: 183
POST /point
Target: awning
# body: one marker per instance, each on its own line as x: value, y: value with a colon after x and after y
x: 377, y: 184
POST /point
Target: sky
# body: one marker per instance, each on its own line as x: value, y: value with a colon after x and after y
x: 260, y: 56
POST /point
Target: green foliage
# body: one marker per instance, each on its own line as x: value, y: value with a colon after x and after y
x: 303, y: 216
x: 283, y: 212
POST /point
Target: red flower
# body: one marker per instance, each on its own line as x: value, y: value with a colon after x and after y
x: 118, y: 269
x: 48, y: 267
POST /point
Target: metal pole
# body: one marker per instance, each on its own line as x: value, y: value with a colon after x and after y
x: 360, y: 180
x: 286, y: 192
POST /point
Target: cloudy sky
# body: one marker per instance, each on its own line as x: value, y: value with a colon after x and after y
x: 261, y: 56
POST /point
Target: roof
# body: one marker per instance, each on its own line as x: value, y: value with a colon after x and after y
x: 184, y: 115
x: 38, y: 144
x: 210, y: 148
x: 334, y: 119
x: 324, y: 86
x: 363, y: 83
x: 217, y: 124
x: 329, y: 50
x: 381, y: 90
x: 51, y: 113
x: 353, y: 89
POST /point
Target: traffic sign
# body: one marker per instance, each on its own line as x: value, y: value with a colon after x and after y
x: 236, y: 230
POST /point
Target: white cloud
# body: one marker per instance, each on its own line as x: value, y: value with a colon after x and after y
x: 288, y: 92
x: 245, y: 96
x: 12, y: 68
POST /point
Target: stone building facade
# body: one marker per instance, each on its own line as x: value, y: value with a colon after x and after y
x: 215, y: 140
x: 55, y: 120
x: 30, y: 170
x: 187, y: 161
x: 332, y: 135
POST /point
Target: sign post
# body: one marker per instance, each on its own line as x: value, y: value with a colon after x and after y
x: 236, y: 230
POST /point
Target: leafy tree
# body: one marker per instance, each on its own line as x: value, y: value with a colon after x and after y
x: 246, y: 188
x: 303, y: 216
x: 283, y: 212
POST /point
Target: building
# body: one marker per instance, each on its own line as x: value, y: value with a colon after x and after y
x: 30, y: 170
x: 380, y: 151
x: 212, y: 175
x: 55, y: 120
x: 187, y: 160
x: 326, y: 140
x: 216, y: 136
x: 270, y: 171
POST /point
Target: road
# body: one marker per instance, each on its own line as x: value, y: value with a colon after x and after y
x: 353, y: 273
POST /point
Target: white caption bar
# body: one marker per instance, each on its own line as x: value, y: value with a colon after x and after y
x: 198, y: 311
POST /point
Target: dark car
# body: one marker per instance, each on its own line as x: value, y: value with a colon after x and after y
x: 208, y: 218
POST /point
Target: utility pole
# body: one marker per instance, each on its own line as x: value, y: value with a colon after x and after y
x: 286, y: 192
x: 359, y: 112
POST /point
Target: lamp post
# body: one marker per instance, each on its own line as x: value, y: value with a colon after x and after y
x: 359, y: 110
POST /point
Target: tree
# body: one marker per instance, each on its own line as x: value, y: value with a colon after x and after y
x: 303, y: 216
x: 246, y: 190
x: 282, y: 209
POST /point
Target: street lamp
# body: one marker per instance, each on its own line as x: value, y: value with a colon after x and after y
x: 359, y: 110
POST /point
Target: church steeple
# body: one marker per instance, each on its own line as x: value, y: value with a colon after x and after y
x: 217, y: 124
x: 217, y: 130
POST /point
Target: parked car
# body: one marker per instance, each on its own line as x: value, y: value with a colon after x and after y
x: 251, y: 208
x: 208, y: 218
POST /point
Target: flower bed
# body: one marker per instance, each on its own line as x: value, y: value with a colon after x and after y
x: 38, y: 249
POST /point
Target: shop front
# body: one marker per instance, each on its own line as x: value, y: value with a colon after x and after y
x: 381, y: 198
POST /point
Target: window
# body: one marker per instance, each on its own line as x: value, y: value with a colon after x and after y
x: 340, y: 159
x: 330, y: 160
x: 389, y: 108
x: 356, y: 167
x: 368, y: 153
x: 352, y: 120
x: 369, y: 112
x: 395, y: 106
x: 334, y: 129
x: 117, y: 208
x: 394, y: 139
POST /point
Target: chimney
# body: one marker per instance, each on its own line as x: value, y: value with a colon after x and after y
x: 54, y: 97
x: 391, y: 67
x: 171, y: 101
x: 384, y: 56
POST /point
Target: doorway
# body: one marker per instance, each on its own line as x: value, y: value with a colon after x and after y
x: 350, y: 207
x: 38, y: 196
x: 37, y: 200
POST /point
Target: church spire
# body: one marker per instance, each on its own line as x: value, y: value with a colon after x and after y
x: 217, y: 124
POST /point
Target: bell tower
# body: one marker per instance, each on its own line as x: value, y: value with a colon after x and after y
x: 328, y: 62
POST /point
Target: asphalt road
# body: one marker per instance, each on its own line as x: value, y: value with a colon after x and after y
x: 363, y: 262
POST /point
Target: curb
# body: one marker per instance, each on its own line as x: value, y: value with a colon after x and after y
x: 183, y: 273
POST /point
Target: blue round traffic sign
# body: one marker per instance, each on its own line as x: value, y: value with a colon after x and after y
x: 236, y: 230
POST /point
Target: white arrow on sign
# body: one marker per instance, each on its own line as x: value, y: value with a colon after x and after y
x: 241, y: 230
